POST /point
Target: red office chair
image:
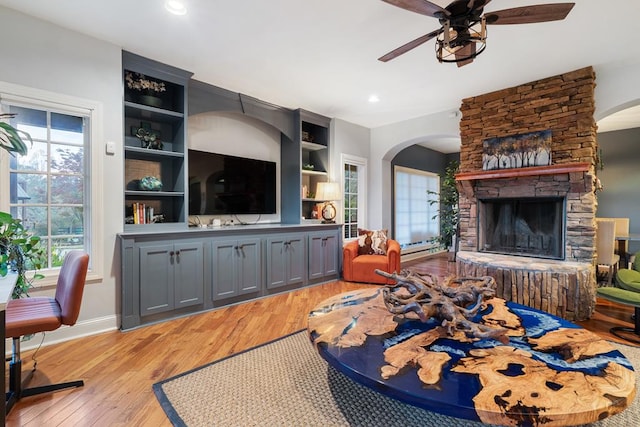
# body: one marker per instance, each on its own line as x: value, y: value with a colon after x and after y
x: 27, y: 316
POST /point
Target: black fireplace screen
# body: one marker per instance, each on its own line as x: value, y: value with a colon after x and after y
x: 525, y: 226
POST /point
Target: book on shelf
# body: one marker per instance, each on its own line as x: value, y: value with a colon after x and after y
x: 142, y: 214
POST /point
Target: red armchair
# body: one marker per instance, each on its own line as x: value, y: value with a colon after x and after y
x: 361, y: 268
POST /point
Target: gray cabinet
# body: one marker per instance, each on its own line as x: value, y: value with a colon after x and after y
x: 235, y: 268
x: 171, y: 276
x: 324, y: 261
x: 286, y: 258
x: 166, y: 274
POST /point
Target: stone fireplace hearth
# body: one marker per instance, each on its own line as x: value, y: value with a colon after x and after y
x: 549, y: 266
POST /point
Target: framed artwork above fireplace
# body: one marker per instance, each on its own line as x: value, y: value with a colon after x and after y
x: 517, y: 151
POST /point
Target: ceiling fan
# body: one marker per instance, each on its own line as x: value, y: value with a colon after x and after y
x: 462, y: 35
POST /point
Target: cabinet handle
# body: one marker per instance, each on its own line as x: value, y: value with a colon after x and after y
x: 177, y: 253
x: 172, y: 253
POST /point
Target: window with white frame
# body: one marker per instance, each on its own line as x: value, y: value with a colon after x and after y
x: 416, y: 220
x: 49, y: 187
x: 354, y: 207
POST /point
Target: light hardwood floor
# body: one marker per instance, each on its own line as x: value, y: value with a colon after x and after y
x: 119, y: 368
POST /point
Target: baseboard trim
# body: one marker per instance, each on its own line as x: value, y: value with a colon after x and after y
x: 412, y: 256
x: 67, y: 333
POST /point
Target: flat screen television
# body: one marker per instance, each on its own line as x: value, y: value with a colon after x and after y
x: 220, y: 184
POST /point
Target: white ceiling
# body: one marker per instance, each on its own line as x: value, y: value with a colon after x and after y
x: 321, y: 55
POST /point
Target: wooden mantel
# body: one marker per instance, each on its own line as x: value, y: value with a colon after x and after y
x: 521, y: 172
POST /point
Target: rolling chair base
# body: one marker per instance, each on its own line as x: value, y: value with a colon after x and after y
x: 16, y: 390
x: 629, y: 334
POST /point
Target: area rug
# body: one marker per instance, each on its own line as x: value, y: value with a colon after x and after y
x: 286, y: 383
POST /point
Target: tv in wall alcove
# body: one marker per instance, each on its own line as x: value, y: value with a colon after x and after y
x: 220, y: 184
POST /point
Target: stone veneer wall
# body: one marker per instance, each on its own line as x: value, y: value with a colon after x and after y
x: 564, y: 104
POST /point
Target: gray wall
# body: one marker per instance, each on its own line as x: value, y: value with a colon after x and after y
x: 620, y: 178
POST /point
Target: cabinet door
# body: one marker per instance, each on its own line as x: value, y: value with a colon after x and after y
x: 188, y: 274
x: 249, y: 266
x: 316, y: 256
x: 276, y: 262
x: 331, y: 254
x: 296, y: 259
x: 156, y: 279
x: 223, y: 269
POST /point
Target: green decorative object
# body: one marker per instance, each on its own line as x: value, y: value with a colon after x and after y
x: 150, y: 183
x: 149, y: 139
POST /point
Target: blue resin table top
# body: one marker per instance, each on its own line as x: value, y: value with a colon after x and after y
x: 551, y: 372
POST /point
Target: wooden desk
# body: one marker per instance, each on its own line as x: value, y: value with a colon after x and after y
x: 550, y: 372
x: 6, y: 289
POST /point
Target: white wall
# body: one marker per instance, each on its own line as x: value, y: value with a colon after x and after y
x: 386, y: 142
x: 39, y: 55
x: 347, y: 138
x: 236, y: 135
x: 617, y: 87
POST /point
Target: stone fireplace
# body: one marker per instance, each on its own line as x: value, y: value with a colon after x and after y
x: 533, y: 228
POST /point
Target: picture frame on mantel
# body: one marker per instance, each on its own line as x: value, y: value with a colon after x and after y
x: 517, y: 151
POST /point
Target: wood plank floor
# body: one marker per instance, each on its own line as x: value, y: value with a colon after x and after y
x: 119, y: 368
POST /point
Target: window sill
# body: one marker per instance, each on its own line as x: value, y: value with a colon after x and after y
x: 50, y: 280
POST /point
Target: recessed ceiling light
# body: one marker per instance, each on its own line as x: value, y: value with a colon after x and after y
x: 373, y: 98
x: 176, y: 7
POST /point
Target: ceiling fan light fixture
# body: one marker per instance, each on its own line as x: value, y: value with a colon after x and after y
x: 450, y: 43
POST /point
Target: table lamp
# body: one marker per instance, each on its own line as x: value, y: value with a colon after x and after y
x: 328, y: 192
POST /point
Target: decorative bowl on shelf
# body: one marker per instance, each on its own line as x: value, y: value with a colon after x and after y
x: 150, y: 183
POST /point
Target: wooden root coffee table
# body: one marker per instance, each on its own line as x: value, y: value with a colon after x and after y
x: 551, y: 372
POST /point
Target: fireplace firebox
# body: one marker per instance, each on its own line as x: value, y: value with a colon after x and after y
x: 531, y: 226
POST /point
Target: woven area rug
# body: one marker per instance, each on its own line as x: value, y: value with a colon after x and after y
x: 286, y: 383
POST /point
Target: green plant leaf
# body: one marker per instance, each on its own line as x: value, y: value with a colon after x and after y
x: 12, y: 139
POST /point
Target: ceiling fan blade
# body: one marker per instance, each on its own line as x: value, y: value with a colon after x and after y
x: 466, y: 51
x: 530, y: 14
x: 411, y: 45
x: 422, y: 7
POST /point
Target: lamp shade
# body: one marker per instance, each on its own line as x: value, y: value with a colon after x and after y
x: 328, y: 191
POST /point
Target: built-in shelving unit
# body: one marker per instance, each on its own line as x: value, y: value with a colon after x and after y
x: 155, y: 111
x: 314, y: 148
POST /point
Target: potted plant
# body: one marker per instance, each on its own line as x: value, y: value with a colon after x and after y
x: 12, y: 139
x: 20, y: 250
x: 448, y: 200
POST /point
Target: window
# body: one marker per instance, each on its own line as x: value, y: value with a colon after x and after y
x: 50, y: 189
x: 414, y: 215
x: 47, y: 185
x: 354, y: 181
